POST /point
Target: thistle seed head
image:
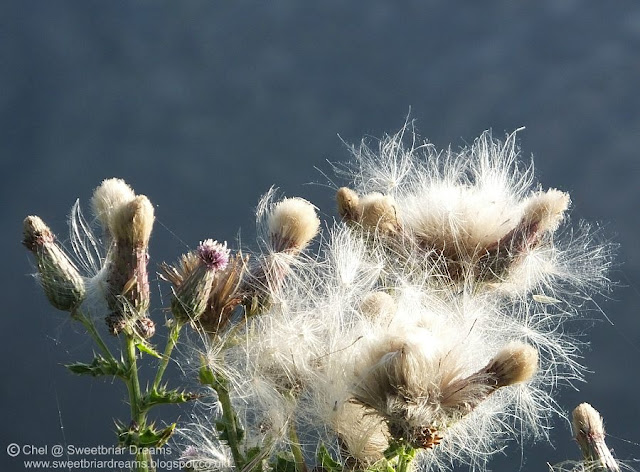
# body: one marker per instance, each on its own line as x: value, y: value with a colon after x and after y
x: 348, y: 203
x: 378, y: 305
x: 546, y: 210
x: 108, y: 198
x: 133, y: 222
x: 587, y: 422
x: 374, y: 211
x: 127, y: 274
x: 363, y: 434
x: 515, y: 363
x: 292, y: 224
x: 378, y: 213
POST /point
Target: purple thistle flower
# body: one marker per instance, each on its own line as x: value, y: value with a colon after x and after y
x: 213, y: 254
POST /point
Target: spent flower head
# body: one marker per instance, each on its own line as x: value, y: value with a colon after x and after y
x: 428, y: 319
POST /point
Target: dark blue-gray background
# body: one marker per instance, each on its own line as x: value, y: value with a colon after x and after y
x: 203, y: 105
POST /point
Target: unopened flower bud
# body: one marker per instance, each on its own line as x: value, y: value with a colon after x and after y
x: 62, y: 283
x: 145, y: 327
x: 517, y: 362
x: 108, y: 198
x: 292, y: 223
x: 192, y: 293
x: 589, y: 433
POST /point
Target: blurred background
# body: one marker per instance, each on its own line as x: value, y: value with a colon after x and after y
x: 203, y: 105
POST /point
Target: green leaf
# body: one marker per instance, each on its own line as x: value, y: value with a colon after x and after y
x: 145, y: 347
x: 395, y: 449
x: 99, y: 366
x: 327, y: 462
x: 382, y: 465
x: 399, y: 452
x: 148, y: 436
x: 163, y: 396
x: 285, y: 462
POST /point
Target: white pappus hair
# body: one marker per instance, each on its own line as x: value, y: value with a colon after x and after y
x: 431, y: 313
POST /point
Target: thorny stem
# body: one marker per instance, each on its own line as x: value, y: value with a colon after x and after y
x: 295, y: 448
x: 138, y: 415
x: 229, y: 417
x: 172, y: 340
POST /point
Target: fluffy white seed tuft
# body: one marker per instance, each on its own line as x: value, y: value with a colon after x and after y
x: 108, y: 198
x: 292, y: 224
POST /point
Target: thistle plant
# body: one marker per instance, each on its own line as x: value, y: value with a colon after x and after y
x: 428, y: 323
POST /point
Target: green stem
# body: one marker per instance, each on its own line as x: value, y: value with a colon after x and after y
x: 174, y: 334
x: 229, y: 417
x: 93, y: 332
x: 404, y: 459
x: 138, y: 415
x: 295, y: 448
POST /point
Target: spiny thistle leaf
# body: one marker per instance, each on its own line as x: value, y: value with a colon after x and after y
x: 149, y: 436
x: 99, y: 366
x: 145, y: 347
x: 163, y: 396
